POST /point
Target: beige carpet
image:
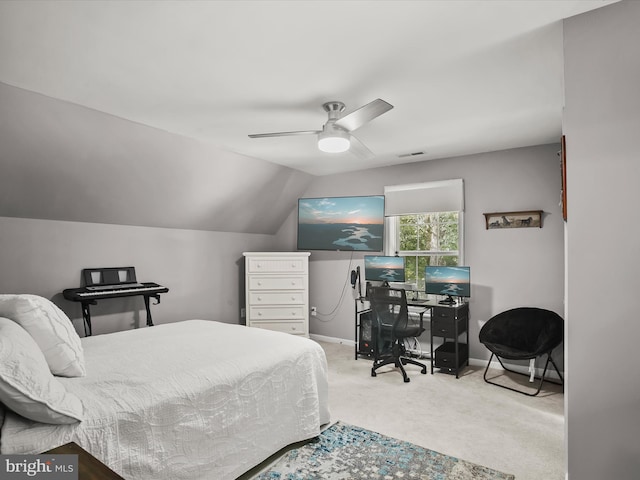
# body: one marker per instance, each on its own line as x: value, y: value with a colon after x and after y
x: 466, y: 417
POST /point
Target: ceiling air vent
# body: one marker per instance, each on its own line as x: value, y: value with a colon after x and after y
x: 413, y: 154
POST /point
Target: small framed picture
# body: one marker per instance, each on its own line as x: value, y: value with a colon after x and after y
x: 524, y: 219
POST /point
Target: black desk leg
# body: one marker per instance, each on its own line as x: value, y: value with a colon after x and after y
x: 431, y: 335
x: 86, y: 315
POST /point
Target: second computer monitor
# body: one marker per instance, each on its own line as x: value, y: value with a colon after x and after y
x: 450, y: 281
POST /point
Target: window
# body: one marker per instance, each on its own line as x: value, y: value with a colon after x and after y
x: 427, y: 239
x: 424, y: 225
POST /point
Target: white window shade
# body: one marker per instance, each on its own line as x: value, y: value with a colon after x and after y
x: 441, y: 196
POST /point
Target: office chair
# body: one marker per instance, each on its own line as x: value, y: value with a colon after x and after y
x: 391, y: 325
x: 523, y: 333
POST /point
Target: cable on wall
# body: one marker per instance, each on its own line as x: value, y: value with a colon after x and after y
x: 330, y: 316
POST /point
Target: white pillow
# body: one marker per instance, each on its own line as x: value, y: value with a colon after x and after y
x: 26, y: 385
x: 50, y: 328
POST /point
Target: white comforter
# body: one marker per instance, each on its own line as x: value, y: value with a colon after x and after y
x: 188, y: 400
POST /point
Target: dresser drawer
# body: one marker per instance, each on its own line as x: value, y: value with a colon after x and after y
x: 295, y: 328
x: 277, y: 313
x: 285, y: 282
x: 277, y: 265
x: 276, y: 298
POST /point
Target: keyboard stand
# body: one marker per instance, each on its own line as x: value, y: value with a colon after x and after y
x: 86, y: 300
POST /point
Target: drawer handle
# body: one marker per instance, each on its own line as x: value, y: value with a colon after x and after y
x: 259, y: 314
x: 293, y: 298
x: 293, y: 313
x: 259, y: 284
x: 259, y: 299
x: 293, y: 282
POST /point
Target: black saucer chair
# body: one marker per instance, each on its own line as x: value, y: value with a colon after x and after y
x: 391, y: 325
x: 523, y: 333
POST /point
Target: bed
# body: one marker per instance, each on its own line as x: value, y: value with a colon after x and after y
x: 194, y: 399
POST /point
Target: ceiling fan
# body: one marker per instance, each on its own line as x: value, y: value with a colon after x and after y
x: 335, y: 136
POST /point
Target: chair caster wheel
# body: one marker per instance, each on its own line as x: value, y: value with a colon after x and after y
x: 407, y: 380
x: 424, y: 371
x: 373, y: 374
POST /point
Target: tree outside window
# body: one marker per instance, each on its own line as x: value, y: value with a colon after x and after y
x: 428, y: 239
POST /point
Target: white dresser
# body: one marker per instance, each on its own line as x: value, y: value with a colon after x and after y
x: 277, y: 291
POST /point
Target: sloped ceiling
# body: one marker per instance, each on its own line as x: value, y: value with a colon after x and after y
x: 138, y: 112
x: 60, y: 161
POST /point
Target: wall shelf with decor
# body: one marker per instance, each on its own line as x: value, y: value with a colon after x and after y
x: 523, y: 219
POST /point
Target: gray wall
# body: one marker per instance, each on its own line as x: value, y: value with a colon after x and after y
x: 602, y: 127
x: 80, y: 188
x: 203, y: 270
x: 509, y: 268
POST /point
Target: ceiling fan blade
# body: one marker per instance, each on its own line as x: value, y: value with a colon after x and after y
x: 364, y: 114
x: 284, y: 134
x: 360, y: 149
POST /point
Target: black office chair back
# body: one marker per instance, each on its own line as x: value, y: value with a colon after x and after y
x: 392, y: 324
x: 390, y: 308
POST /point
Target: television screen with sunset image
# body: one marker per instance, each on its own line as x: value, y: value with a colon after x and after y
x: 341, y: 223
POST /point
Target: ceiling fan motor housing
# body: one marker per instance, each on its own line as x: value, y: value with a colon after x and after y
x: 333, y: 138
x: 334, y: 109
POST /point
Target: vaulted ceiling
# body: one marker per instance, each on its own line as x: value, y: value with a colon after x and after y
x: 463, y: 76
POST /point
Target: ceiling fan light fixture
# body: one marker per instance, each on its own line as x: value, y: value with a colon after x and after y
x: 335, y: 141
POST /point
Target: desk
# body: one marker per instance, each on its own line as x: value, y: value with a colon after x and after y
x: 448, y: 322
x: 363, y: 319
x: 89, y: 467
x: 87, y: 298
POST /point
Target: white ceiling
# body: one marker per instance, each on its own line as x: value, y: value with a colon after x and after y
x: 464, y: 76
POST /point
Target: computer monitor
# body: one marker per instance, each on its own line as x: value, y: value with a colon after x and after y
x: 383, y: 269
x: 449, y: 281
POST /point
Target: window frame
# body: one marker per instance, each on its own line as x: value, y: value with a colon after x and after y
x: 392, y: 244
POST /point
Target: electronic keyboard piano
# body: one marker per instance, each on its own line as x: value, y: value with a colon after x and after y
x: 106, y: 283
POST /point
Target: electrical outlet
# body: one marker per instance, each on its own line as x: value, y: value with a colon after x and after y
x: 243, y: 312
x: 314, y: 311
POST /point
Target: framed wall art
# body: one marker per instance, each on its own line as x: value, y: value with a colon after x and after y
x: 563, y: 169
x: 524, y: 219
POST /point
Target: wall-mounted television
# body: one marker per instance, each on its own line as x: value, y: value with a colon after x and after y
x: 341, y: 223
x: 383, y: 269
x: 449, y: 281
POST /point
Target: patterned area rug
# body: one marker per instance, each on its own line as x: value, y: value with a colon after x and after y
x: 346, y: 452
